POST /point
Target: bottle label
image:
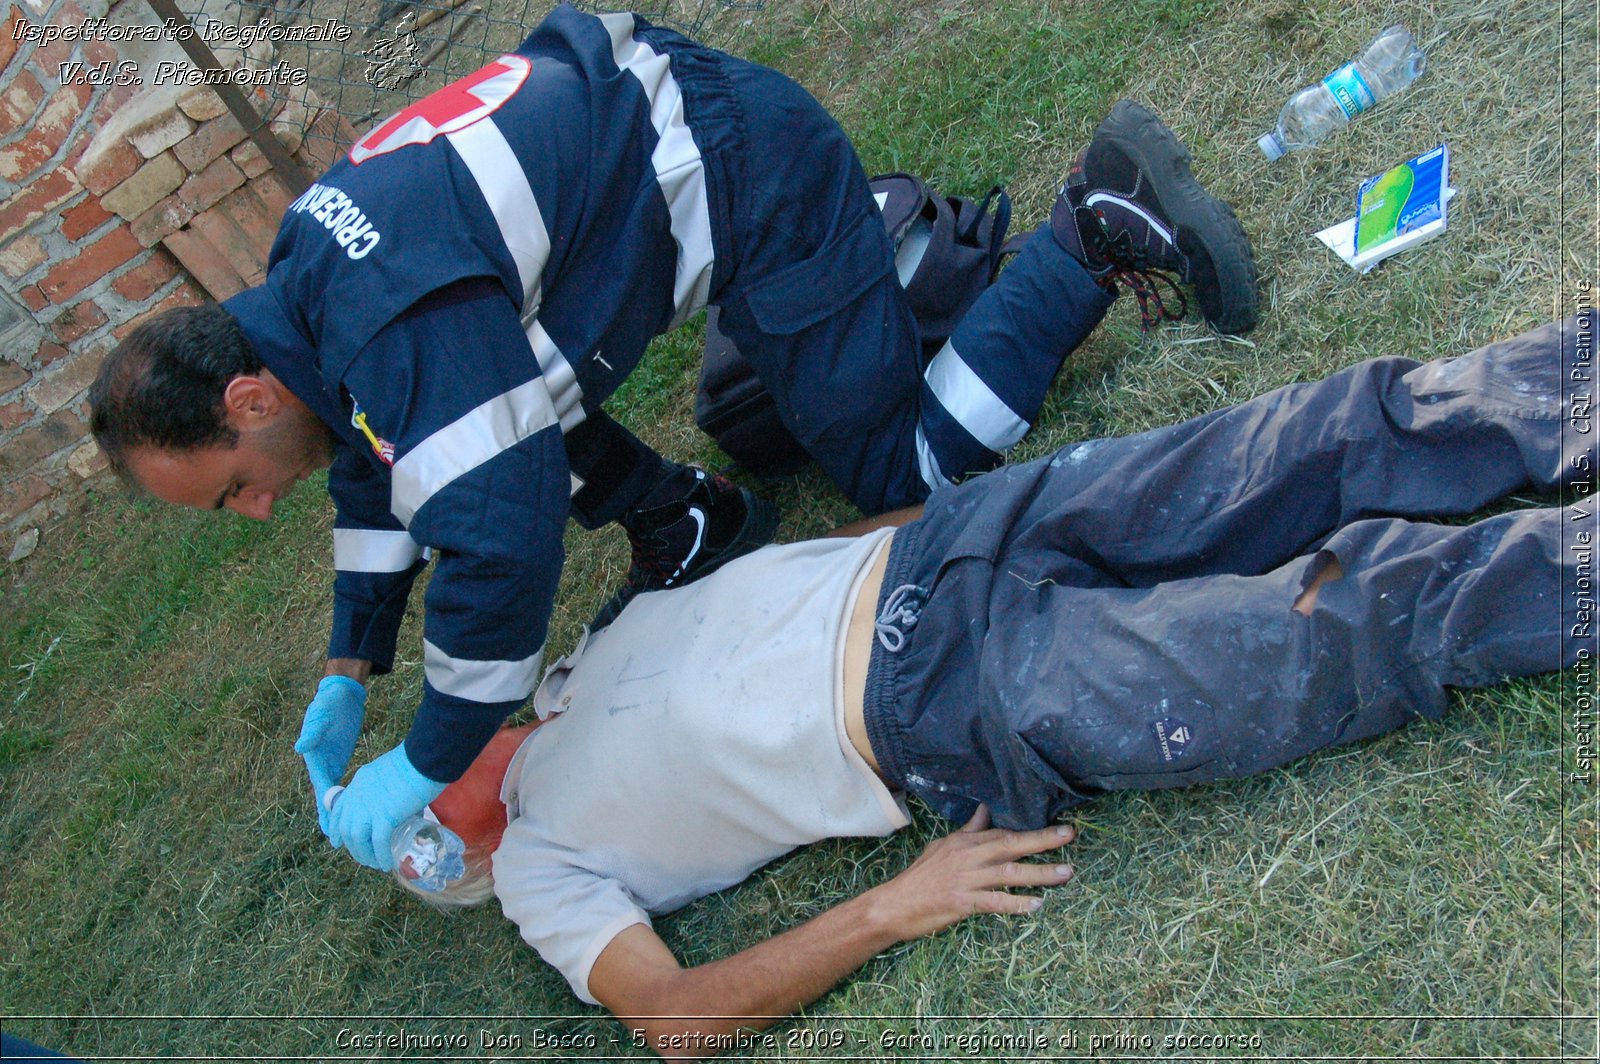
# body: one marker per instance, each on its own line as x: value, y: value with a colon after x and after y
x: 1350, y: 90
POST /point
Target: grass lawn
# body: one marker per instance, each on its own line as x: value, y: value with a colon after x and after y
x: 1431, y: 894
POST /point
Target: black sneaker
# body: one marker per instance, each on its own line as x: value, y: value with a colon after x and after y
x: 690, y: 525
x: 1132, y: 212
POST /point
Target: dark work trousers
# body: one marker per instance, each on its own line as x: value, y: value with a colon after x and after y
x: 1119, y: 615
x: 807, y: 290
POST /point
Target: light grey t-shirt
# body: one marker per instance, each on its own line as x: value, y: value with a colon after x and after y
x: 698, y: 737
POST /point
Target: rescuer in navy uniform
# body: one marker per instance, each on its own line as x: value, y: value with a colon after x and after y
x: 447, y: 308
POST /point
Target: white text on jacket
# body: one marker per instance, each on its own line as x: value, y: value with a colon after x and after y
x: 339, y: 216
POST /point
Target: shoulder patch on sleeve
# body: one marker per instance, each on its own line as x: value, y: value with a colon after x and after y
x: 456, y: 106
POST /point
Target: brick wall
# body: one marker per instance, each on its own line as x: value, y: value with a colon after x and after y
x: 115, y: 202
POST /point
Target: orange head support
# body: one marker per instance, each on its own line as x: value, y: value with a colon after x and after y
x: 471, y: 806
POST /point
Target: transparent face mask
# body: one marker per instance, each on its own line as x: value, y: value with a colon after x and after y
x: 427, y: 853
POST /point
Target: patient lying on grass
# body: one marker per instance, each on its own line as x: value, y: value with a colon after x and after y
x: 1204, y: 601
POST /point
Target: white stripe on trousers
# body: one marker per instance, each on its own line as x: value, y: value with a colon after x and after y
x: 678, y: 166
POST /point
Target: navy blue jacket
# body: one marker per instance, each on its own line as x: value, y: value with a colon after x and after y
x: 477, y: 274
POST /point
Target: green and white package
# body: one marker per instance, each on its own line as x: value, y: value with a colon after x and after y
x: 1403, y: 202
x: 1398, y: 209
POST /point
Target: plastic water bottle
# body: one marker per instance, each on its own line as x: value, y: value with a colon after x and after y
x: 425, y: 852
x: 1390, y: 63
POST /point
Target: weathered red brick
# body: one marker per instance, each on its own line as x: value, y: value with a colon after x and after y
x: 8, y: 36
x: 87, y: 460
x: 75, y: 96
x: 35, y: 201
x: 49, y: 352
x: 159, y: 177
x: 14, y: 414
x: 145, y: 279
x: 246, y: 208
x: 110, y: 164
x: 21, y: 101
x: 21, y: 256
x: 26, y: 155
x: 159, y: 132
x: 209, y: 141
x: 76, y: 146
x: 224, y: 234
x: 21, y: 493
x: 66, y: 381
x: 201, y: 103
x: 89, y: 265
x: 206, y: 264
x: 33, y: 298
x: 170, y: 215
x: 207, y: 187
x: 78, y: 321
x: 78, y: 222
x: 61, y: 429
x: 248, y: 158
x: 11, y: 375
x: 185, y: 295
x: 274, y: 195
x: 114, y: 99
x: 50, y: 56
x: 96, y: 52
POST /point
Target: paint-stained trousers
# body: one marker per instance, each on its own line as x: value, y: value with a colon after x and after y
x: 1119, y: 615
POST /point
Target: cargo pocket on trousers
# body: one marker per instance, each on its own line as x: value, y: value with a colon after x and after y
x: 833, y: 366
x: 804, y: 293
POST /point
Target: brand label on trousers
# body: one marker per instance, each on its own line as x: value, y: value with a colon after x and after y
x: 1173, y: 737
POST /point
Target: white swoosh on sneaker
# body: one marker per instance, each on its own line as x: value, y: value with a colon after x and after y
x: 1149, y: 219
x: 699, y: 541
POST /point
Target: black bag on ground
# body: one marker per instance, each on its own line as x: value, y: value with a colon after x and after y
x: 947, y: 251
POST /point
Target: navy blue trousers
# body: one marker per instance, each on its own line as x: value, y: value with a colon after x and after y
x: 1119, y: 615
x: 806, y: 287
x: 810, y: 296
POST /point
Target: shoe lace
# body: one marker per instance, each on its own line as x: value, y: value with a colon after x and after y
x: 650, y: 568
x: 658, y: 558
x: 655, y: 559
x: 1130, y: 267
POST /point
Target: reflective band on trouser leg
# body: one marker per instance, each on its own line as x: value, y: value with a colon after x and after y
x: 965, y: 426
x: 676, y: 159
x: 982, y: 391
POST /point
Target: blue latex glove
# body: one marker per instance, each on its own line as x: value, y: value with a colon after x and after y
x: 328, y: 736
x: 380, y: 797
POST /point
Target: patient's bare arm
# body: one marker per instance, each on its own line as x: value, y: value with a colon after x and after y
x: 683, y: 1011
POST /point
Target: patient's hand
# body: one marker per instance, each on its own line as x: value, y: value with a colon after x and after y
x: 969, y: 872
